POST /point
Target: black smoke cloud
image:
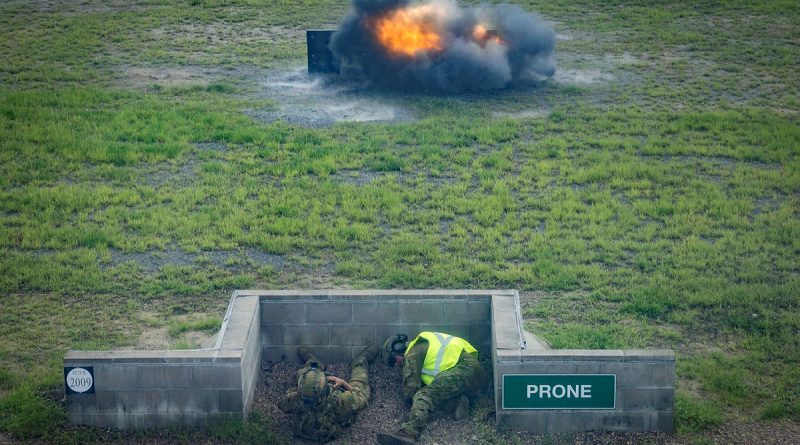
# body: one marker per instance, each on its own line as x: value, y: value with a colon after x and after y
x: 463, y: 64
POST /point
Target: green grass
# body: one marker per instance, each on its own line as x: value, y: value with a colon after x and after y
x: 655, y: 210
x: 208, y: 325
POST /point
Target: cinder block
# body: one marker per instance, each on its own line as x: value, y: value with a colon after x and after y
x: 563, y: 421
x: 165, y: 420
x: 384, y: 331
x: 232, y: 356
x: 334, y: 354
x: 283, y: 312
x: 552, y: 355
x: 195, y: 400
x: 599, y: 355
x: 655, y: 399
x: 479, y: 333
x: 506, y: 332
x: 458, y: 330
x: 88, y: 358
x: 343, y: 335
x: 91, y: 403
x: 306, y: 335
x: 467, y: 312
x: 253, y: 340
x: 324, y: 312
x: 532, y: 421
x: 633, y: 374
x: 80, y: 418
x: 141, y: 401
x: 661, y: 421
x: 218, y: 377
x: 591, y: 367
x: 165, y: 377
x: 119, y: 420
x: 354, y: 294
x: 480, y: 311
x: 421, y: 312
x: 623, y: 421
x: 667, y: 355
x: 456, y: 311
x: 543, y: 367
x: 116, y: 377
x: 503, y: 303
x: 235, y: 337
x: 374, y: 312
x: 230, y: 401
x: 277, y: 353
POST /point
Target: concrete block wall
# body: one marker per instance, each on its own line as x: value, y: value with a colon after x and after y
x: 143, y: 389
x: 146, y: 389
x: 337, y: 324
x: 645, y: 380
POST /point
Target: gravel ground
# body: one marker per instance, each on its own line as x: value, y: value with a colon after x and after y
x: 386, y: 411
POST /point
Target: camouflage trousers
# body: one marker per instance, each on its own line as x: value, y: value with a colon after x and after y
x: 467, y: 377
x: 359, y: 376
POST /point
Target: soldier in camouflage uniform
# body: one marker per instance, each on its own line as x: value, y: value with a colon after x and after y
x: 324, y: 405
x: 439, y: 370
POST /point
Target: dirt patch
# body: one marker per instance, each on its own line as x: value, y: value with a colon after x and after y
x: 165, y: 76
x: 318, y: 100
x: 523, y: 114
x: 156, y: 334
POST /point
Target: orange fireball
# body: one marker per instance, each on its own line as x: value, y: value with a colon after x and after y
x: 411, y: 30
x: 482, y: 35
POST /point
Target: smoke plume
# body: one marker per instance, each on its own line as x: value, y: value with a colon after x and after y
x: 438, y: 46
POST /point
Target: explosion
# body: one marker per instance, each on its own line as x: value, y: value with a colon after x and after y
x: 407, y: 31
x: 437, y: 46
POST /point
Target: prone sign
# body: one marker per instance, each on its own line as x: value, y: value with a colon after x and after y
x: 559, y: 391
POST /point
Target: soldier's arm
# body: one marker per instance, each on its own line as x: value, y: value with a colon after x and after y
x: 288, y: 403
x: 348, y: 403
x: 412, y: 370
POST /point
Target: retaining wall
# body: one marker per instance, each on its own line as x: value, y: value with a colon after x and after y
x: 143, y: 389
x: 644, y: 381
x: 337, y: 324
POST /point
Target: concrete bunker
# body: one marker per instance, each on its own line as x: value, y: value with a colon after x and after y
x: 537, y: 389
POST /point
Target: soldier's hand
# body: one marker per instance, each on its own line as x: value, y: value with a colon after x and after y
x: 339, y: 383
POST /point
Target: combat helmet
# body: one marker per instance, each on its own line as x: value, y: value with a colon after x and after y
x: 392, y: 347
x: 312, y: 387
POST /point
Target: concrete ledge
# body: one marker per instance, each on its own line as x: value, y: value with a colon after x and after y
x: 643, y: 391
x: 146, y: 389
x: 143, y: 389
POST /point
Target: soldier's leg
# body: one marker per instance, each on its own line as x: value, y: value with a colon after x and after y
x: 309, y: 358
x: 359, y: 369
x: 359, y: 374
x: 464, y: 378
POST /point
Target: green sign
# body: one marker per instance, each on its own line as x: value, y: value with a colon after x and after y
x: 559, y: 391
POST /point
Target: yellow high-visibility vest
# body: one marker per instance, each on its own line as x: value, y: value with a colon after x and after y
x: 443, y: 353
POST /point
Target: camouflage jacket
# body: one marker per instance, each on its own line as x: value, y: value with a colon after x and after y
x: 334, y: 414
x: 412, y: 369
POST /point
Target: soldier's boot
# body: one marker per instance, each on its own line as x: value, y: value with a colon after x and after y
x: 369, y: 353
x: 462, y: 408
x: 305, y: 353
x: 400, y: 437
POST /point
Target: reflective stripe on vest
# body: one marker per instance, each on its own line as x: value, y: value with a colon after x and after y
x: 444, y: 350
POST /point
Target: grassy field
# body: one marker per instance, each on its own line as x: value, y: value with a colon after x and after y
x: 655, y: 207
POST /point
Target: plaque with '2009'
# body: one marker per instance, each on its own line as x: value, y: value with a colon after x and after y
x: 79, y: 380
